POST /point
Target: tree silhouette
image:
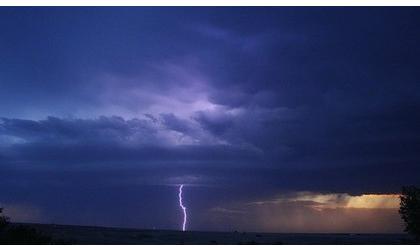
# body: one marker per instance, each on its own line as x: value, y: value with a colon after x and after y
x: 410, y: 210
x: 3, y: 219
x: 12, y: 234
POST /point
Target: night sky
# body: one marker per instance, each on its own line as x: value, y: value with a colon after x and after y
x: 275, y: 119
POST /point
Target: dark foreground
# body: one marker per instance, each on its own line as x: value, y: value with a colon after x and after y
x: 64, y: 234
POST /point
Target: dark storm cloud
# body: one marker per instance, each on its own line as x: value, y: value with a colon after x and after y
x: 109, y: 139
x: 54, y: 130
x: 301, y: 157
x: 174, y: 123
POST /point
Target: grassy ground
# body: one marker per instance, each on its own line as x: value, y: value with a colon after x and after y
x: 64, y: 234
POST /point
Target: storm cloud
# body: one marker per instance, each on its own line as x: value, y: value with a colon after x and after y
x: 116, y: 106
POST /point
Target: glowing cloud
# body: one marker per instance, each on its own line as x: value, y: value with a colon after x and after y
x: 374, y: 201
x: 341, y: 200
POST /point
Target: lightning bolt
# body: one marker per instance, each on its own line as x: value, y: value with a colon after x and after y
x: 184, y: 209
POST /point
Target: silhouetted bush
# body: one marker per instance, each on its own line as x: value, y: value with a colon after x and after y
x: 10, y: 234
x: 3, y: 220
x: 410, y: 210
